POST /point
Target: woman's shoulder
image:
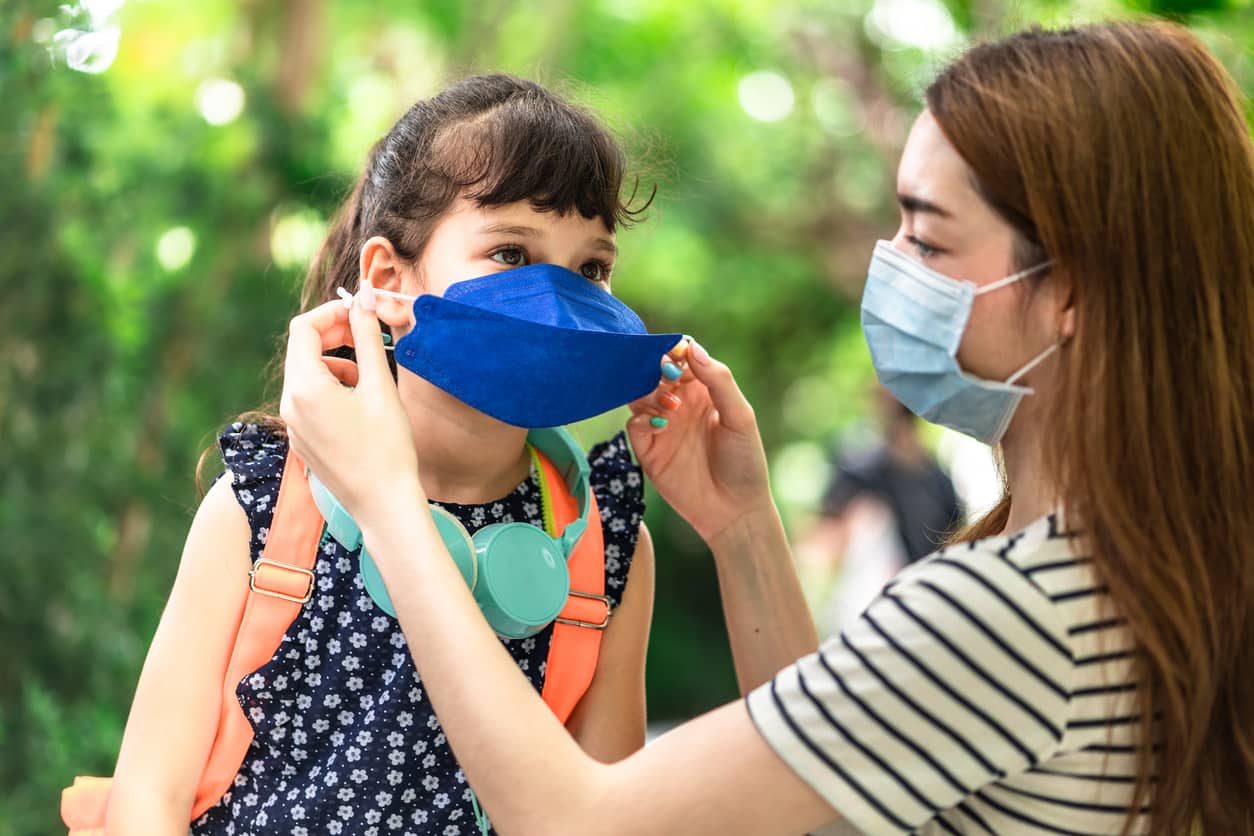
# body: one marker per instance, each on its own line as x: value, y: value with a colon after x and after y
x: 1043, y: 545
x: 1029, y: 575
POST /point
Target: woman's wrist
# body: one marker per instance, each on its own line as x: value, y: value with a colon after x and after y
x: 396, y: 515
x: 748, y: 532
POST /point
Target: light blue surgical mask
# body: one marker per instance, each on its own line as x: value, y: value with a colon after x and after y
x: 913, y: 319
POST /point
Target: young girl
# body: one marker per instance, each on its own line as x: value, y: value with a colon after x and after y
x: 492, y: 174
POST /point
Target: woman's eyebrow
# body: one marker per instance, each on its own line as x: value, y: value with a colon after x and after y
x: 605, y: 245
x: 910, y: 203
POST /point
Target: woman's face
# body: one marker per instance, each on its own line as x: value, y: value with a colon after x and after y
x: 948, y: 226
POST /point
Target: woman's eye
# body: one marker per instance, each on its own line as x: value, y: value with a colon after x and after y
x: 595, y: 271
x: 510, y: 256
x: 924, y: 250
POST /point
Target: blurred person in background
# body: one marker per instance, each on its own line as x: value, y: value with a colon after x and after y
x: 884, y: 508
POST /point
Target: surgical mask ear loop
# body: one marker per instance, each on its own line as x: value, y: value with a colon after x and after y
x: 1009, y: 280
x: 1032, y: 364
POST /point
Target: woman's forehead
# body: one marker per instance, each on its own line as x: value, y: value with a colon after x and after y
x: 932, y: 172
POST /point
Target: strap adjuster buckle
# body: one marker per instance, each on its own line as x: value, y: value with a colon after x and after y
x: 309, y: 590
x: 591, y: 625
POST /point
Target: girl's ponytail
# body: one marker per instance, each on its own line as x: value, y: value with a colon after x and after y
x: 335, y: 264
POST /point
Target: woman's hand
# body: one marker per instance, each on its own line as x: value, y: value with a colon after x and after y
x: 707, y: 462
x: 357, y: 440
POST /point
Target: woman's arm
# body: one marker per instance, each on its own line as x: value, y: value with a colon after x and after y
x: 709, y: 465
x: 768, y: 620
x: 609, y: 722
x: 715, y: 775
x: 174, y: 715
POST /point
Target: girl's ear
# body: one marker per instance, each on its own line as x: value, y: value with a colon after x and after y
x: 381, y: 264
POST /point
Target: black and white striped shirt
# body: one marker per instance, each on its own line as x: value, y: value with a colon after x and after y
x: 987, y: 690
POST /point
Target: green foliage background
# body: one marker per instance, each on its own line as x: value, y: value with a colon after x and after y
x: 149, y: 261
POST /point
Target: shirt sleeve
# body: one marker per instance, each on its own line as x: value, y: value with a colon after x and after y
x: 618, y: 485
x: 254, y: 457
x: 956, y: 676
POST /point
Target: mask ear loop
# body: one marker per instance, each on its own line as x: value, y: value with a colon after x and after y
x: 1011, y: 279
x: 1032, y: 364
x: 388, y: 342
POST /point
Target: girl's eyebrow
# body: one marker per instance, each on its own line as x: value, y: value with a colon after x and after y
x: 510, y: 229
x: 603, y: 244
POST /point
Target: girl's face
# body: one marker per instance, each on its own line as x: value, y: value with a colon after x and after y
x: 472, y: 241
x: 948, y: 226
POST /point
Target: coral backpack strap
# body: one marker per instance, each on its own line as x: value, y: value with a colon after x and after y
x: 576, y: 642
x: 280, y: 583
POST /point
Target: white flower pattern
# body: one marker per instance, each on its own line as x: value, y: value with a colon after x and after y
x: 346, y: 741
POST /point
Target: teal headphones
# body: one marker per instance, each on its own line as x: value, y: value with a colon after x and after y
x: 516, y: 572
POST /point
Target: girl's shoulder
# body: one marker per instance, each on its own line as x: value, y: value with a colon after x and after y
x: 254, y: 454
x: 618, y: 484
x: 253, y: 450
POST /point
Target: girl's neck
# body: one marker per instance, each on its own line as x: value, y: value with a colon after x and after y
x: 464, y: 456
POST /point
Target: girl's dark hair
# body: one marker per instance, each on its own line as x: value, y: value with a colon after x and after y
x: 497, y: 139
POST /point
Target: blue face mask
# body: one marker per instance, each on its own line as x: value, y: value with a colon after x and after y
x: 913, y: 319
x: 539, y: 346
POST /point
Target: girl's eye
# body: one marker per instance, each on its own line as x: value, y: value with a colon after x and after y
x: 924, y: 250
x: 510, y: 256
x: 595, y: 271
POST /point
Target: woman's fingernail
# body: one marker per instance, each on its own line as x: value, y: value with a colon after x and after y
x: 669, y: 400
x: 658, y: 422
x: 699, y: 354
x: 681, y: 348
x: 671, y: 372
x: 387, y: 338
x: 366, y: 295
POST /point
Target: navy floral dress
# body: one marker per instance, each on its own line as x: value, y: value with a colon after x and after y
x: 346, y: 741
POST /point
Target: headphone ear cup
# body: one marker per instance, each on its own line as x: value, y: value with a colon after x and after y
x: 523, y: 580
x: 456, y: 540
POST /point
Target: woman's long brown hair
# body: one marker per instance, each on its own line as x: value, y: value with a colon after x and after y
x: 1122, y: 152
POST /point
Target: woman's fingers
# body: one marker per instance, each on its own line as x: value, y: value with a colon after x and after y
x: 345, y: 370
x: 368, y: 338
x: 733, y: 409
x: 307, y: 337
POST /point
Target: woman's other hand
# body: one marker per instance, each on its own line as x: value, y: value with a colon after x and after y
x: 707, y: 461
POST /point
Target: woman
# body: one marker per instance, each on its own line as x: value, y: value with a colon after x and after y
x: 1073, y: 279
